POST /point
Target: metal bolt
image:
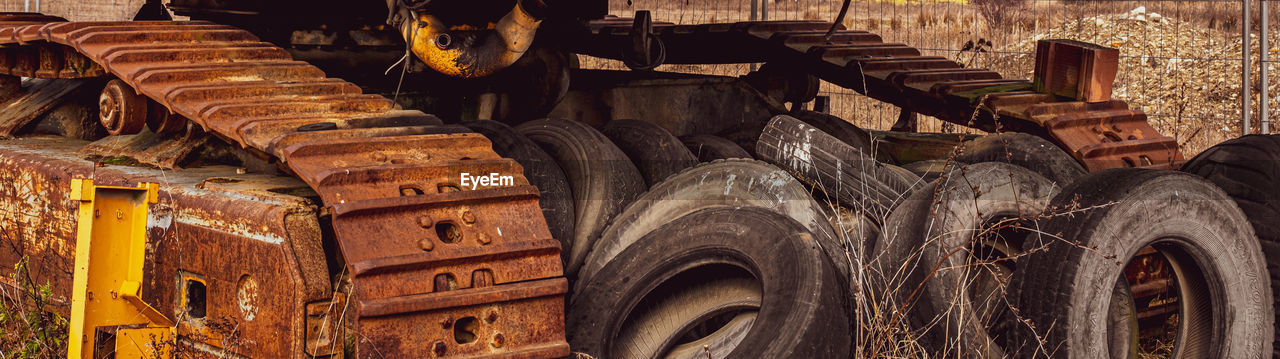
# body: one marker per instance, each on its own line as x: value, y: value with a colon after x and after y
x: 447, y: 322
x: 483, y: 238
x: 498, y: 340
x: 438, y: 348
x: 444, y: 40
x: 468, y: 217
x: 426, y: 245
x: 492, y: 317
x: 452, y: 234
x: 425, y: 221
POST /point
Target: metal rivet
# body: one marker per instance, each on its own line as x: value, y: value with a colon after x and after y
x: 425, y: 221
x: 483, y: 238
x: 426, y: 245
x: 492, y: 317
x: 438, y: 348
x: 447, y: 322
x: 468, y: 217
x: 498, y: 340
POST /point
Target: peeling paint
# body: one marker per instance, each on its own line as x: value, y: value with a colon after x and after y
x: 197, y: 218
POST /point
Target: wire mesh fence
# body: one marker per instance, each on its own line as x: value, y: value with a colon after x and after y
x: 1181, y: 60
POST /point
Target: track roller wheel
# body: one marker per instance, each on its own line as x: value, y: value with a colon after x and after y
x: 161, y: 121
x: 121, y: 110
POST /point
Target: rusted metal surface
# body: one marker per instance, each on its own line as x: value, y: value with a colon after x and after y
x: 36, y: 97
x: 148, y: 148
x: 933, y: 86
x: 120, y: 110
x: 415, y: 243
x: 204, y: 216
x: 1074, y: 69
x: 675, y: 102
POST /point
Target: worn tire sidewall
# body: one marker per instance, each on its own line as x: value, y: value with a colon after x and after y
x: 801, y: 315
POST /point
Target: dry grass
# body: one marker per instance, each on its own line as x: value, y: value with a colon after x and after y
x: 27, y: 328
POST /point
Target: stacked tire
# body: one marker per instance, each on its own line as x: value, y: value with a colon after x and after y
x: 689, y: 247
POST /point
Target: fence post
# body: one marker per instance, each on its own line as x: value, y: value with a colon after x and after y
x: 755, y: 5
x: 1244, y: 67
x: 1264, y: 115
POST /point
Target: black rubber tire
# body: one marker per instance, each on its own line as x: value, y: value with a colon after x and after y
x: 1248, y: 169
x: 555, y: 196
x: 1030, y: 151
x: 928, y: 170
x: 844, y: 131
x: 711, y: 147
x: 1064, y: 289
x: 656, y: 153
x: 745, y: 136
x: 801, y: 313
x: 935, y: 228
x: 733, y: 182
x: 834, y: 168
x: 652, y: 327
x: 602, y: 178
x: 853, y: 227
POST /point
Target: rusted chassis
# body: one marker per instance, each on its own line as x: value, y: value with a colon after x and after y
x: 258, y: 253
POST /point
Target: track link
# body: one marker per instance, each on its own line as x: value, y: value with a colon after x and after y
x: 421, y: 250
x: 1099, y: 135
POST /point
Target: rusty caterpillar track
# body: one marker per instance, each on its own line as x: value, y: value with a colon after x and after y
x: 1099, y: 135
x: 421, y: 250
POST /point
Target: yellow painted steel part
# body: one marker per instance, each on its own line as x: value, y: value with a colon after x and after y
x: 110, y: 248
x: 512, y: 35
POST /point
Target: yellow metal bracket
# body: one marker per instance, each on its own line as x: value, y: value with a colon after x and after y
x: 111, y: 241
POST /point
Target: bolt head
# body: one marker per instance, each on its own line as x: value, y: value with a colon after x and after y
x: 438, y: 348
x: 468, y: 217
x: 447, y: 322
x: 426, y: 245
x: 492, y: 316
x: 483, y: 239
x: 498, y: 340
x: 425, y: 221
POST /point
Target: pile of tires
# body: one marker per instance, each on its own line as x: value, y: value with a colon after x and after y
x: 800, y: 239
